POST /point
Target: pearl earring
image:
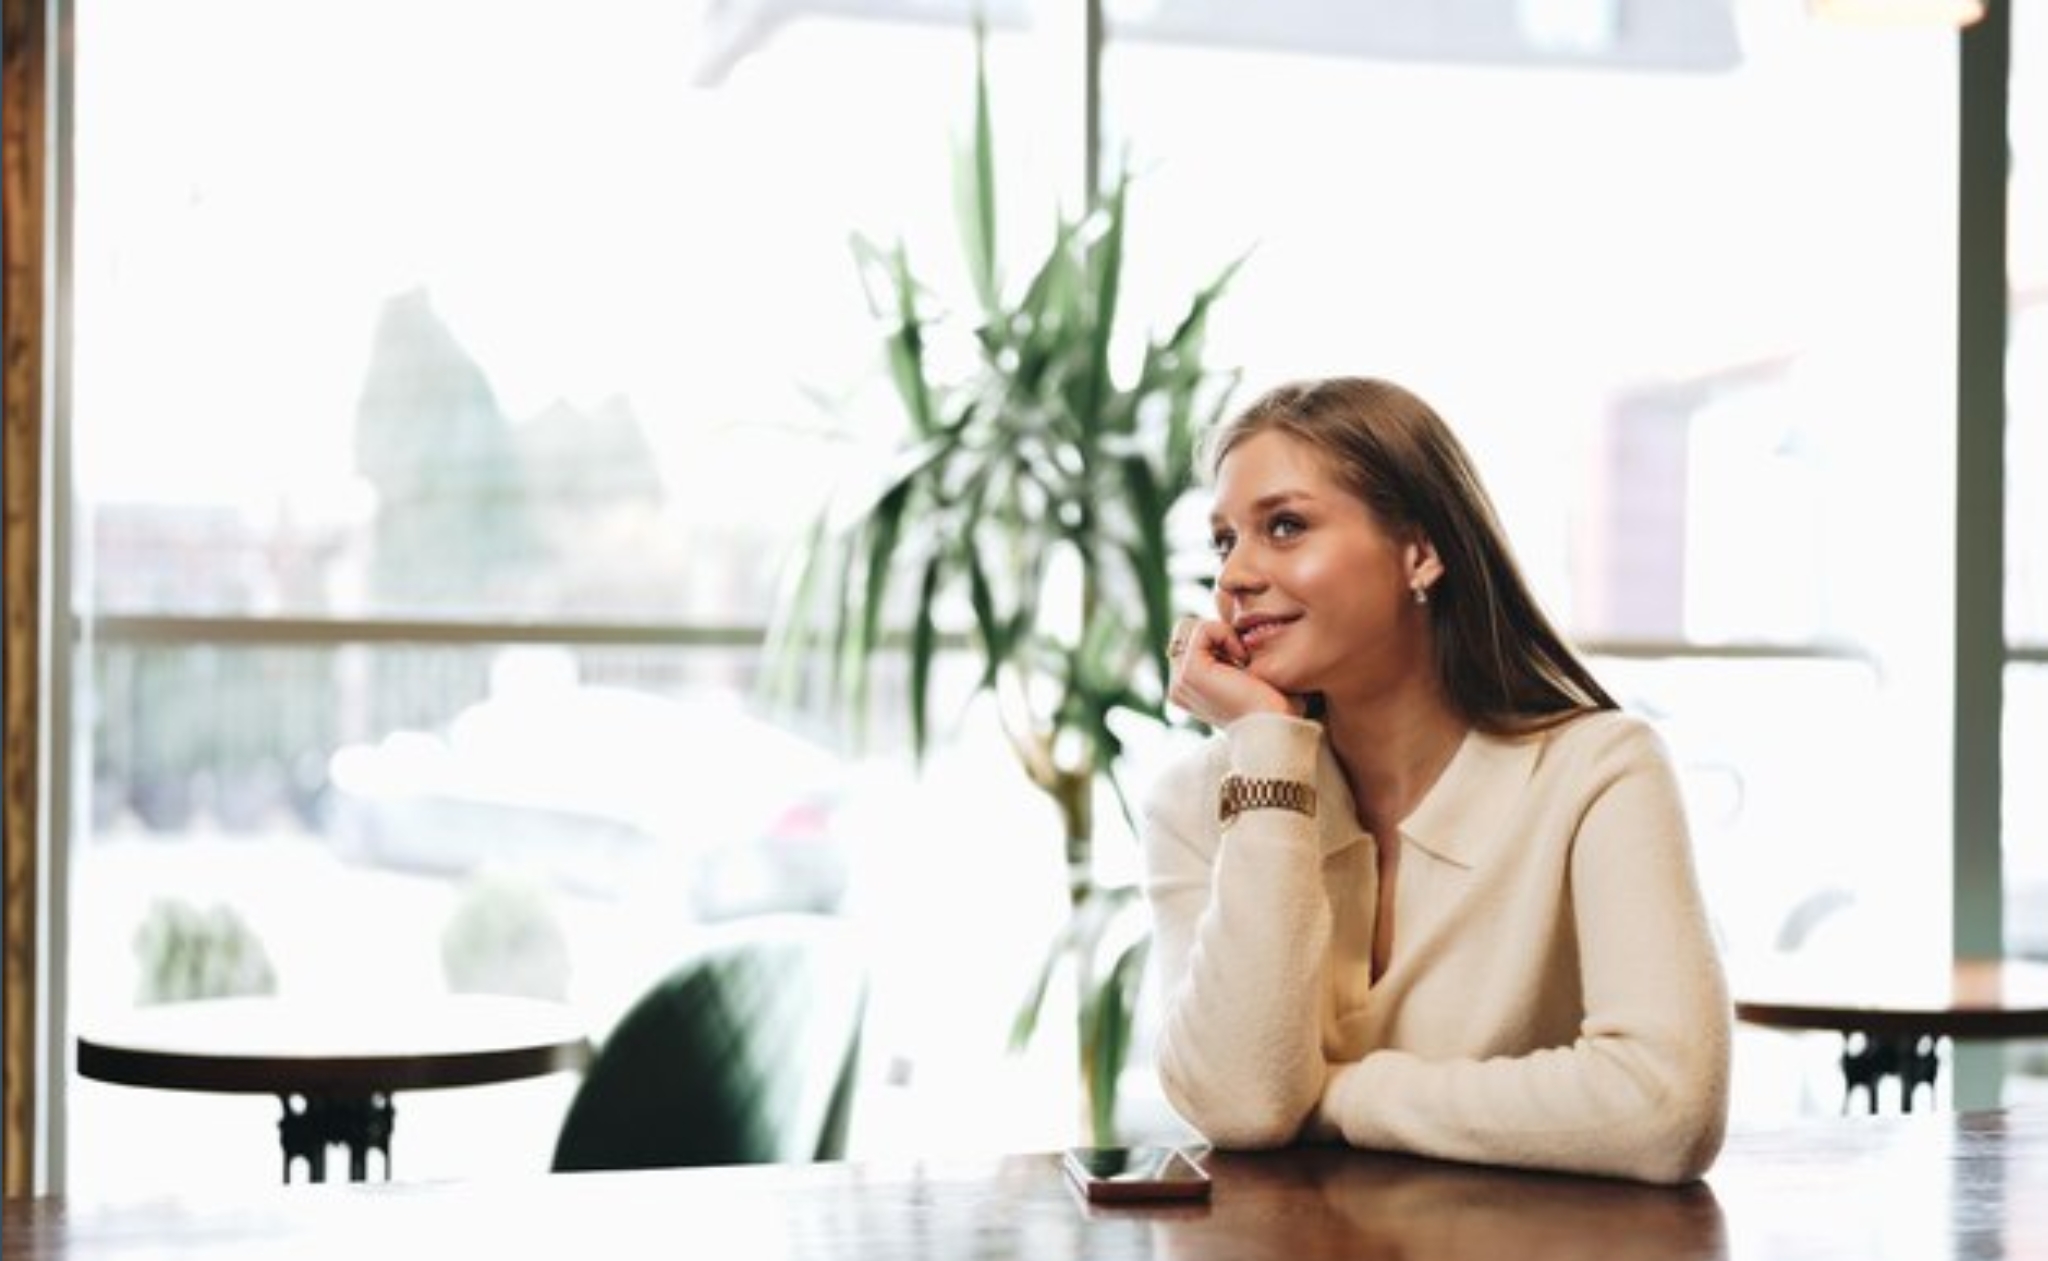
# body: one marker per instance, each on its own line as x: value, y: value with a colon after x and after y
x: 1421, y: 593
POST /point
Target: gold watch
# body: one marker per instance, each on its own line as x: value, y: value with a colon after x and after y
x: 1244, y: 792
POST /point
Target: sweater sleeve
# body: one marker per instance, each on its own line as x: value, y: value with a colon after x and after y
x: 1642, y: 1092
x: 1241, y: 924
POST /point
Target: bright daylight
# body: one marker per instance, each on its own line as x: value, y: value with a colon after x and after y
x: 1427, y: 621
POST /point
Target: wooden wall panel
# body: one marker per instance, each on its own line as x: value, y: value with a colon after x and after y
x: 23, y: 120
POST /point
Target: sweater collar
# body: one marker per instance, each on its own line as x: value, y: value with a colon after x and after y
x: 1461, y: 816
x: 1336, y: 812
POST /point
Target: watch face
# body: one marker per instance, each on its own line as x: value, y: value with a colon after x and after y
x: 1227, y: 804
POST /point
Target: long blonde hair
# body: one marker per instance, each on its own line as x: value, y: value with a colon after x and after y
x: 1501, y: 662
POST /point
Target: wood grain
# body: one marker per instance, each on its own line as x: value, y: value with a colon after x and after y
x: 23, y: 119
x: 1930, y: 1187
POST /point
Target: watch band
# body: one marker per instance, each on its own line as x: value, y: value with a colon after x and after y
x: 1244, y: 792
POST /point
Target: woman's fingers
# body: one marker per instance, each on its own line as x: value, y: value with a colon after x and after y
x: 1209, y: 679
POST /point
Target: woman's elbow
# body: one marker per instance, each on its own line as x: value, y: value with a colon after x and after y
x: 1249, y: 1131
x: 1681, y: 1137
x: 1680, y: 1159
x: 1239, y: 1119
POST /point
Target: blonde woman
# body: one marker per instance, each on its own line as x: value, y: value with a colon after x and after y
x: 1426, y: 889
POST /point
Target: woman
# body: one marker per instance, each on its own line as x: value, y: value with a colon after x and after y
x: 1427, y: 889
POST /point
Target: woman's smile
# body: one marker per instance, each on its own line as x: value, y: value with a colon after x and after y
x: 1259, y: 630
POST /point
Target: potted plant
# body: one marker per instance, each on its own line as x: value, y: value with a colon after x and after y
x: 1033, y: 481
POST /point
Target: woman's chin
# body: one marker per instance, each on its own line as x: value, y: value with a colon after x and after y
x: 1279, y: 679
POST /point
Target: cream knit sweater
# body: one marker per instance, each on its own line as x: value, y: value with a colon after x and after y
x: 1554, y: 998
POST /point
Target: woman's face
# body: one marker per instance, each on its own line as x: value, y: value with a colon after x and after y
x: 1317, y: 589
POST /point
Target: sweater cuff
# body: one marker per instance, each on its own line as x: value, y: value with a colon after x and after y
x: 1275, y: 746
x: 1336, y: 1103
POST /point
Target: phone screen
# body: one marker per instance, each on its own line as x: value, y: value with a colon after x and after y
x: 1136, y: 1173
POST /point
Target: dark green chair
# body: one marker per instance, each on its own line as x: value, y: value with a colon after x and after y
x: 745, y: 1053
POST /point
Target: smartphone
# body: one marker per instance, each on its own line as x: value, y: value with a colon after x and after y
x: 1125, y: 1174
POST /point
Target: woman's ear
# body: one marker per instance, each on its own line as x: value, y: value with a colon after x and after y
x: 1423, y: 564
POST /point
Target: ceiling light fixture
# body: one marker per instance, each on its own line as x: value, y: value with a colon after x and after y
x: 1899, y: 12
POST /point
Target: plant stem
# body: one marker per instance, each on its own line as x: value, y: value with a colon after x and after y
x: 1073, y: 791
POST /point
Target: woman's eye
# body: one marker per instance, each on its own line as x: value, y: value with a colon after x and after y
x: 1221, y: 543
x: 1285, y: 527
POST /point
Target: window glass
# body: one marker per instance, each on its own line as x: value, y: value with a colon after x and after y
x: 2026, y: 811
x: 503, y: 316
x: 1694, y: 320
x: 412, y: 338
x: 450, y: 381
x: 2025, y: 815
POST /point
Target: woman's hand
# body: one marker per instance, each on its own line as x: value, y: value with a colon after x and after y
x: 1210, y: 680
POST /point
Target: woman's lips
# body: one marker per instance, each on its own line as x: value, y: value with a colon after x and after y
x: 1261, y: 633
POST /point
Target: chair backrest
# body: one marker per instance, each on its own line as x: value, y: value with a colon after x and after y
x: 746, y: 1052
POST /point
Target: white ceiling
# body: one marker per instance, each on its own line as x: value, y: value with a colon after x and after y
x: 1657, y: 35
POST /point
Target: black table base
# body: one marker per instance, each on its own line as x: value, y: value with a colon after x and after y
x: 313, y: 1123
x: 1867, y: 1060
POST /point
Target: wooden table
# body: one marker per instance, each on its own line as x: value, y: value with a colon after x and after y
x: 334, y: 1066
x: 1929, y: 1187
x: 1892, y: 1023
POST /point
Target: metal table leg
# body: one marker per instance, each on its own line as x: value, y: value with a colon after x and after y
x: 313, y: 1123
x: 1915, y: 1059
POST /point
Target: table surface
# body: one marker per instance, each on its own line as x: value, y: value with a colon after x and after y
x: 1970, y: 998
x: 1924, y: 1188
x: 305, y: 1046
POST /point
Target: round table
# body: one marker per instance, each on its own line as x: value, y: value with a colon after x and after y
x: 334, y: 1065
x: 1892, y: 1021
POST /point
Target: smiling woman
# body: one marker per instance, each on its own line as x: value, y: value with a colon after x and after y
x: 1444, y: 901
x: 1674, y: 387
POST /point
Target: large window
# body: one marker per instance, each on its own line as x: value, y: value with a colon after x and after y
x: 1695, y: 322
x: 450, y: 382
x: 2026, y: 623
x: 449, y: 379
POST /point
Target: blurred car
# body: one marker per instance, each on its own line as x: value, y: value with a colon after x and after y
x: 603, y: 789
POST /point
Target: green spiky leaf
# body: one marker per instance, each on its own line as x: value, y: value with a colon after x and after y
x: 1033, y: 484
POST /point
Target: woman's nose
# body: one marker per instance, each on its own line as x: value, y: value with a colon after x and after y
x: 1238, y: 574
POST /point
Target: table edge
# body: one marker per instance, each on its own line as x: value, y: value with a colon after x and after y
x: 316, y: 1075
